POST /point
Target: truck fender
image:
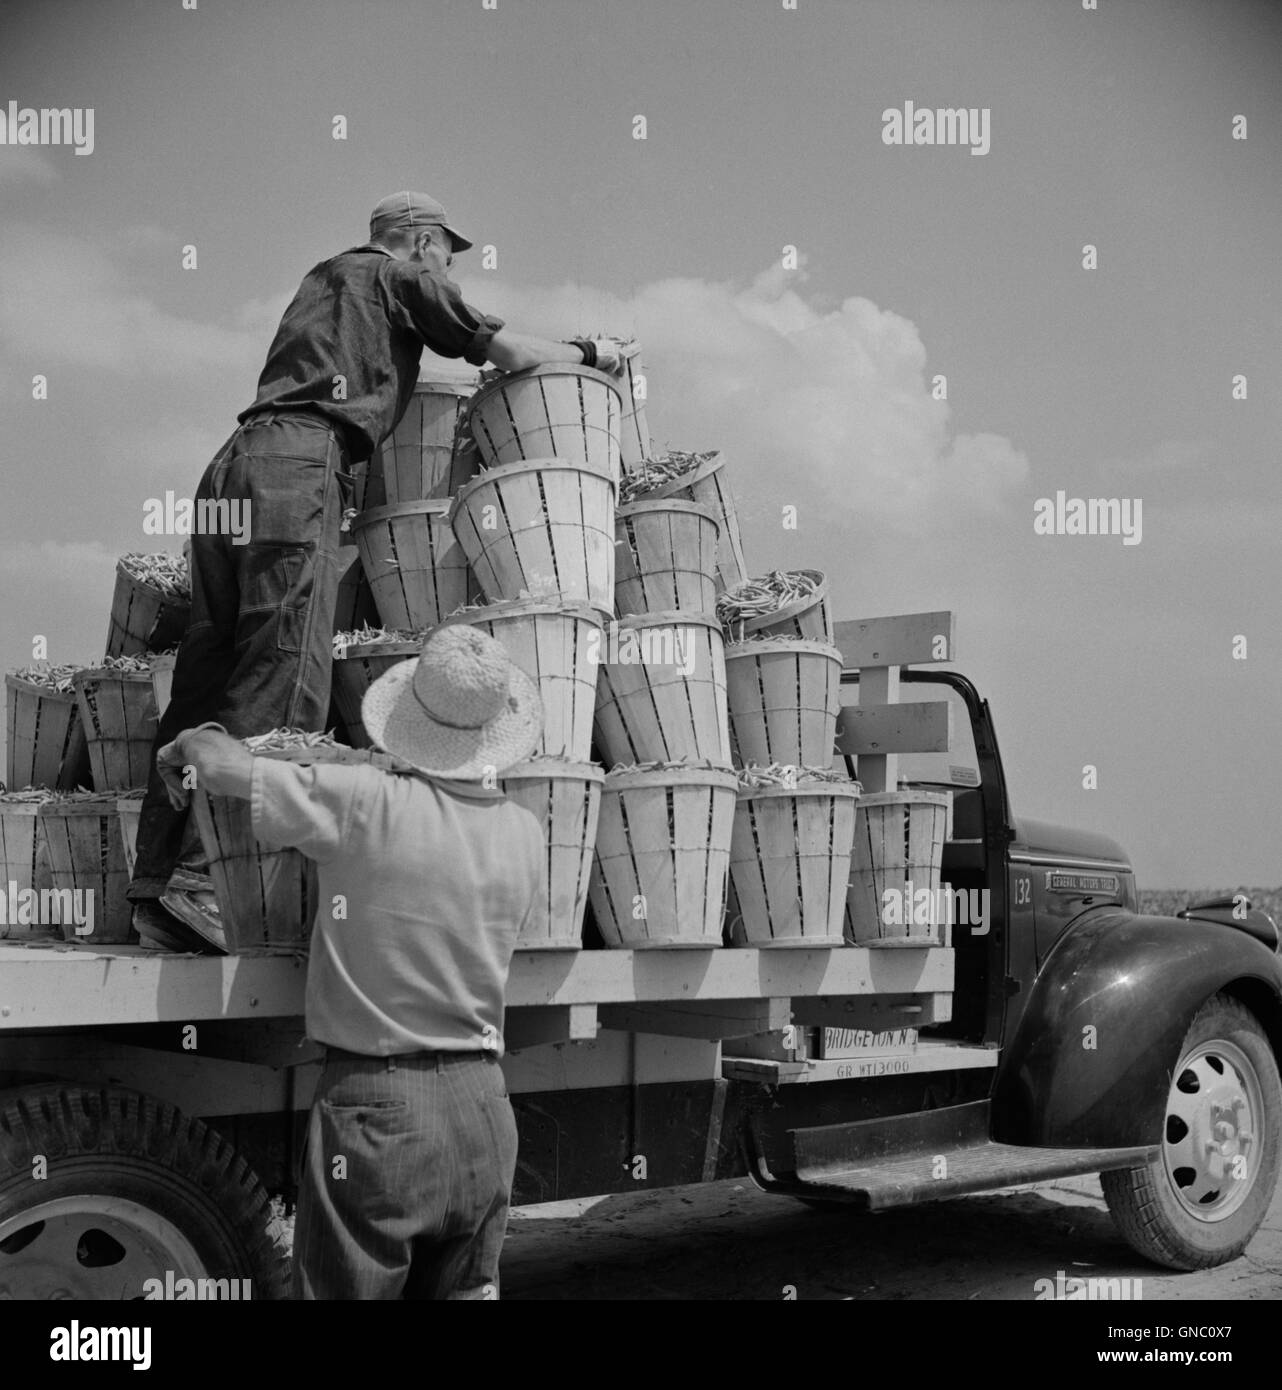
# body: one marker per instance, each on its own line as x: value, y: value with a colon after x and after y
x: 1091, y: 1060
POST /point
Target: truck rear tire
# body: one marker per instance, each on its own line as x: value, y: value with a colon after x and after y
x: 1201, y: 1201
x: 102, y: 1190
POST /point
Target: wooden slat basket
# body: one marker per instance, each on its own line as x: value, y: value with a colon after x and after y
x: 634, y: 431
x: 899, y: 845
x: 647, y: 708
x: 354, y: 606
x: 559, y: 645
x: 416, y: 570
x: 790, y: 864
x: 665, y: 558
x: 784, y: 699
x: 118, y: 711
x: 143, y: 619
x: 356, y: 668
x: 662, y: 851
x: 808, y: 616
x: 87, y: 855
x: 24, y: 864
x: 552, y: 411
x: 708, y: 485
x: 420, y: 457
x: 46, y: 740
x: 566, y: 798
x: 539, y: 529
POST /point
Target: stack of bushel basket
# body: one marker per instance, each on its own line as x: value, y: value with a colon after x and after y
x: 79, y: 747
x: 687, y: 776
x: 795, y: 815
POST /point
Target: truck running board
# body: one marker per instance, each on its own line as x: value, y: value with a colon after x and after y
x: 925, y: 1157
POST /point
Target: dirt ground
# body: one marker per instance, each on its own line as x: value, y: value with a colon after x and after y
x: 731, y: 1241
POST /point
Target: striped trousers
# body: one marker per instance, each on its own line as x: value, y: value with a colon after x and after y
x: 406, y: 1176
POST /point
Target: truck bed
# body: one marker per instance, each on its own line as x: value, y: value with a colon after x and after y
x: 557, y: 993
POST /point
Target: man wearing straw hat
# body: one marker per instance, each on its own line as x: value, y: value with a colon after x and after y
x: 339, y: 376
x: 425, y: 881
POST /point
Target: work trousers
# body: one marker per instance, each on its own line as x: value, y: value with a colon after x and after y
x: 406, y: 1177
x: 258, y: 651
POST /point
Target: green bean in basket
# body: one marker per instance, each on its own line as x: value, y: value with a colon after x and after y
x: 756, y: 597
x: 161, y: 571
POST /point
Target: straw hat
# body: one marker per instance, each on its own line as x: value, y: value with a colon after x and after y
x: 460, y: 709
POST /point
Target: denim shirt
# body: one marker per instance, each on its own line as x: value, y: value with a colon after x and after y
x: 349, y: 344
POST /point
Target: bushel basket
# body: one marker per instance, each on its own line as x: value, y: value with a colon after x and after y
x: 24, y: 864
x: 118, y: 711
x: 420, y: 457
x: 662, y: 850
x: 86, y: 855
x: 661, y: 692
x: 783, y: 699
x: 634, y: 432
x: 46, y: 744
x: 790, y: 864
x: 899, y: 845
x: 565, y: 797
x: 665, y: 558
x: 552, y: 411
x: 708, y: 485
x: 144, y: 618
x: 805, y: 616
x: 416, y: 570
x: 540, y: 529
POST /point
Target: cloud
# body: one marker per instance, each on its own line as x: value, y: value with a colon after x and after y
x: 67, y: 302
x: 52, y: 558
x: 832, y: 407
x: 19, y: 163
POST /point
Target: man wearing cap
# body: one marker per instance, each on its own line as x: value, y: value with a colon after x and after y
x: 424, y: 881
x: 339, y: 376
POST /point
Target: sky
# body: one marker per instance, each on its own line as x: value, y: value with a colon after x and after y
x: 816, y: 374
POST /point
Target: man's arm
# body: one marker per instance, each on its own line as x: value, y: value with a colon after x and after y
x: 514, y: 352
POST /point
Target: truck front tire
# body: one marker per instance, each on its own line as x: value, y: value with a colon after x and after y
x: 1201, y: 1201
x: 103, y: 1192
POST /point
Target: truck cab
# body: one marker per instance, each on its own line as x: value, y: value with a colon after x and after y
x: 1142, y: 1048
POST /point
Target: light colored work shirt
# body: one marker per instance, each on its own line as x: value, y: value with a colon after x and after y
x: 424, y: 886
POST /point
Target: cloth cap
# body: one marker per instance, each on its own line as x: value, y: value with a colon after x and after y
x: 406, y: 209
x: 460, y: 709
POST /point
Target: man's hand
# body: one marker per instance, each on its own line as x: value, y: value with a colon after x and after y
x: 612, y: 353
x: 223, y: 765
x: 170, y: 761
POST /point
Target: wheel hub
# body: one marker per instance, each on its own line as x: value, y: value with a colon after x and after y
x: 90, y: 1247
x: 1209, y: 1145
